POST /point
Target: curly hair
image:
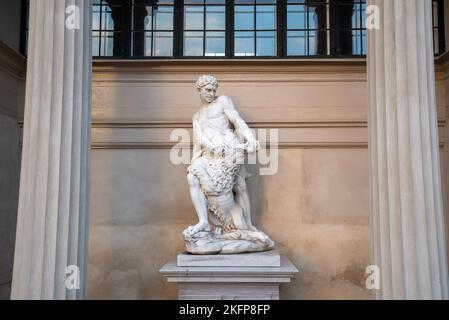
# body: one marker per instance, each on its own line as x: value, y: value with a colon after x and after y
x: 206, y: 80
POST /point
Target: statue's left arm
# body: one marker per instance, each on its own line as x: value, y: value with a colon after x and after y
x: 239, y: 124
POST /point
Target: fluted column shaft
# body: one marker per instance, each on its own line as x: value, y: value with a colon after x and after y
x: 52, y: 225
x: 407, y: 224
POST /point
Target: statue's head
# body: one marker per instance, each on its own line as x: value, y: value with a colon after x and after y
x: 207, y: 86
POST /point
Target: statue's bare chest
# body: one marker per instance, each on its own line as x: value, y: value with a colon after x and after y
x: 214, y: 115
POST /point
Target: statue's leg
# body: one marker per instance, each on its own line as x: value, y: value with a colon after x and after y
x: 242, y: 197
x: 199, y: 202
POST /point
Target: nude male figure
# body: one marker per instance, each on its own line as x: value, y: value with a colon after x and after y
x: 218, y: 130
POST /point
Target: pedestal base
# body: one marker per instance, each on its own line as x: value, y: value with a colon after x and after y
x: 230, y: 277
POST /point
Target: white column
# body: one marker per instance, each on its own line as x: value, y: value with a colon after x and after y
x: 406, y: 198
x: 52, y: 225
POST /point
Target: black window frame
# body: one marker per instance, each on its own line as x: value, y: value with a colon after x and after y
x: 123, y: 48
x: 204, y: 30
x: 336, y: 30
x: 24, y: 26
x: 131, y: 31
x: 255, y: 30
x: 441, y: 28
x: 281, y: 19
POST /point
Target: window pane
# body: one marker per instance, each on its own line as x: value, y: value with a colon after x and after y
x: 356, y: 42
x: 266, y: 43
x: 435, y: 14
x: 318, y: 41
x: 193, y: 43
x: 244, y: 2
x: 215, y: 18
x: 205, y: 24
x: 107, y: 42
x: 296, y: 17
x: 147, y: 41
x: 356, y: 16
x: 96, y: 12
x: 351, y: 42
x: 244, y: 18
x: 318, y: 17
x: 95, y: 43
x: 141, y: 44
x: 296, y: 43
x: 164, y: 17
x: 244, y: 44
x: 215, y: 1
x: 215, y: 44
x: 436, y: 40
x: 193, y: 1
x: 193, y: 17
x: 266, y: 17
x: 363, y: 20
x: 142, y: 18
x: 107, y: 21
x: 163, y: 44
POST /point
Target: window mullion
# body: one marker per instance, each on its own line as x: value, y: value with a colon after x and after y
x: 204, y: 28
x: 334, y: 50
x: 153, y: 26
x: 125, y: 32
x: 280, y: 29
x: 307, y: 29
x: 441, y: 27
x: 229, y: 29
x: 255, y: 28
x: 178, y: 26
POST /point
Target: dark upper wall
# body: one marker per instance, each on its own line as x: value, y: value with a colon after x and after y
x: 10, y: 22
x: 12, y: 84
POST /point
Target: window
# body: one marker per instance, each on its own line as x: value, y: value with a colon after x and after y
x: 232, y: 28
x: 438, y: 27
x: 152, y: 28
x: 24, y: 26
x: 350, y: 31
x: 107, y: 26
x: 255, y: 28
x: 308, y: 28
x: 204, y: 32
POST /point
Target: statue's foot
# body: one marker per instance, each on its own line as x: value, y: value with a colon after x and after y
x: 199, y: 227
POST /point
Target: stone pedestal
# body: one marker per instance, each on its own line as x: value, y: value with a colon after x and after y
x: 251, y: 276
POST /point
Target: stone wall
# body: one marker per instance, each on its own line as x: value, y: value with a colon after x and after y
x: 316, y: 207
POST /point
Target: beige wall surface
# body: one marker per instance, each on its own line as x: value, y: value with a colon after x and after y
x: 12, y: 68
x: 316, y: 207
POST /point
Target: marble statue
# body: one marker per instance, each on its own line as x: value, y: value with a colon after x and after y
x: 217, y: 178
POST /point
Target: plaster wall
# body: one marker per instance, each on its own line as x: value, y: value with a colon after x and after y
x: 316, y: 207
